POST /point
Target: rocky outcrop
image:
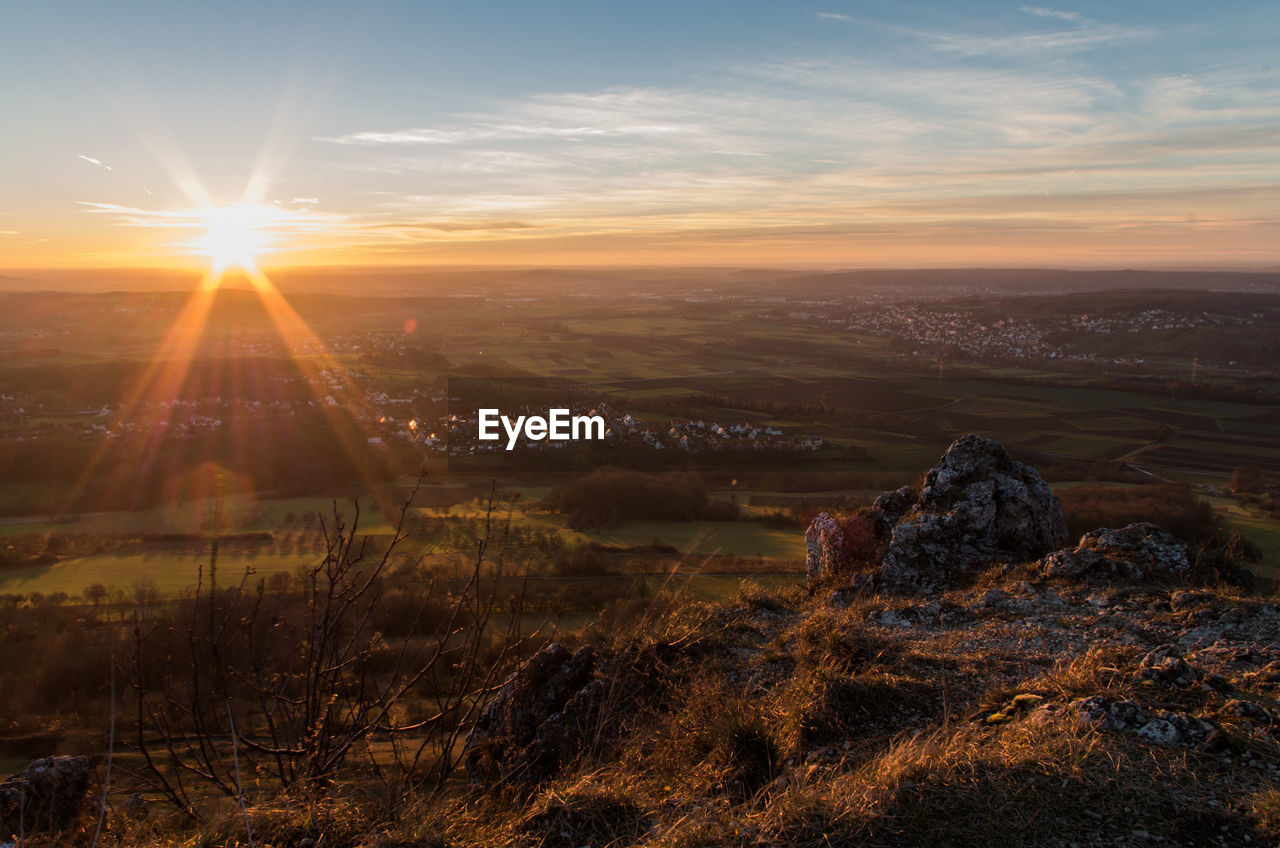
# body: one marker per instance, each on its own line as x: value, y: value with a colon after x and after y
x: 46, y: 796
x: 891, y: 506
x: 825, y: 549
x: 845, y: 547
x: 1166, y: 666
x: 977, y: 505
x: 527, y: 729
x: 559, y: 703
x: 1136, y: 552
x: 1156, y: 726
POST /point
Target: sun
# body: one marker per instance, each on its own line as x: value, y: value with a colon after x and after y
x: 233, y: 236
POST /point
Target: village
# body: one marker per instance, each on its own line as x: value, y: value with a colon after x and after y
x: 456, y: 435
x: 920, y: 329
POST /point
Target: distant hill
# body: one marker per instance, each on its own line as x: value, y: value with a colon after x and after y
x: 410, y: 281
x: 1030, y: 280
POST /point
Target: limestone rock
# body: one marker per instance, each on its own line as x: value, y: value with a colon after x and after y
x: 46, y: 796
x: 839, y: 546
x: 824, y: 547
x: 1166, y: 666
x: 1135, y: 552
x: 524, y: 729
x: 977, y: 505
x: 1160, y: 727
x: 891, y: 506
x: 559, y: 702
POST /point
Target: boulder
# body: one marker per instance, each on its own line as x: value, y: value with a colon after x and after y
x: 560, y: 703
x: 46, y: 796
x: 526, y: 729
x: 891, y: 506
x: 1136, y: 552
x: 1166, y: 666
x: 824, y: 547
x: 977, y: 505
x: 842, y: 546
x: 1160, y: 727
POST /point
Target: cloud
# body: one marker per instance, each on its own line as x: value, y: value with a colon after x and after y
x: 810, y: 134
x: 814, y: 147
x: 1038, y: 43
x: 454, y: 226
x: 485, y: 131
x: 93, y: 161
x: 1042, y: 12
x: 832, y: 16
x: 1082, y: 34
x: 280, y: 227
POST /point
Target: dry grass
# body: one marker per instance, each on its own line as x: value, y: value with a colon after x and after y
x: 789, y: 720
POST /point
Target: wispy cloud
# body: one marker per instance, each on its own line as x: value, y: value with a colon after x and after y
x: 93, y: 161
x: 281, y: 227
x: 486, y: 131
x: 832, y: 16
x: 454, y: 226
x: 1042, y: 12
x: 814, y: 150
x: 813, y: 146
x: 1081, y: 34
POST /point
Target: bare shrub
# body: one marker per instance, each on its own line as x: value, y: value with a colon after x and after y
x: 296, y: 684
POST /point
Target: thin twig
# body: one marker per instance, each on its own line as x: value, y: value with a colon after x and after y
x: 111, y: 748
x: 239, y: 787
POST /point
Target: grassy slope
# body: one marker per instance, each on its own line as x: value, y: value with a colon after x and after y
x: 781, y: 719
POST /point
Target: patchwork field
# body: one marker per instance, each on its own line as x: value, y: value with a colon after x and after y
x: 885, y: 410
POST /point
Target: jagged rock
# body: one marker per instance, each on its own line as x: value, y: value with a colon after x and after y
x: 891, y: 506
x: 1253, y: 715
x: 1136, y: 551
x: 977, y: 505
x: 526, y: 727
x: 1161, y: 732
x: 992, y: 600
x: 1166, y: 666
x: 824, y: 546
x: 46, y: 796
x: 1183, y: 598
x: 547, y: 711
x: 838, y: 545
x: 931, y: 614
x: 1160, y: 727
x: 135, y: 807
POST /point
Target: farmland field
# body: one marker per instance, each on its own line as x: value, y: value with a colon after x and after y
x: 885, y: 411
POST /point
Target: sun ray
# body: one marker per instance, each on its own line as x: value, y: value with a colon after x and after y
x: 233, y: 236
x: 144, y: 407
x: 315, y: 361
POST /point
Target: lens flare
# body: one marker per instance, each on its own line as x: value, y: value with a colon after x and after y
x: 233, y: 236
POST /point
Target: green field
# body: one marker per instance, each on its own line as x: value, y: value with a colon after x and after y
x: 726, y: 357
x: 171, y: 573
x: 739, y: 538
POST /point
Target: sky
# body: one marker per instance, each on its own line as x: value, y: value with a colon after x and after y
x: 838, y: 134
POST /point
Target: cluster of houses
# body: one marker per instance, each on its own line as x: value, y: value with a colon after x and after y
x: 936, y: 329
x: 172, y: 418
x: 456, y: 434
x: 697, y: 436
x: 1151, y: 319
